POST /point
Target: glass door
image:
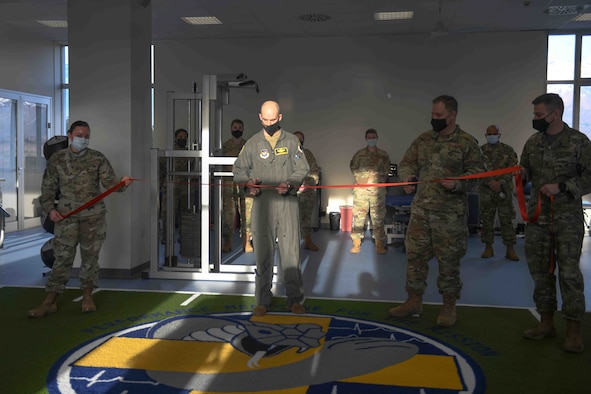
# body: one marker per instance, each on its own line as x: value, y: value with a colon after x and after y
x: 24, y: 128
x: 8, y: 165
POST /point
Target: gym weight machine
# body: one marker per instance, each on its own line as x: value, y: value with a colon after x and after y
x: 201, y: 221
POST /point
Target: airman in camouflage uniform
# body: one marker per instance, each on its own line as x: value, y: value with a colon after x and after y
x: 77, y: 173
x: 438, y: 215
x: 557, y: 162
x: 233, y: 196
x: 369, y: 165
x: 496, y: 194
x: 181, y: 185
x: 307, y: 196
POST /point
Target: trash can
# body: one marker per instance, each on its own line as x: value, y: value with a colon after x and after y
x: 335, y: 219
x: 346, y: 217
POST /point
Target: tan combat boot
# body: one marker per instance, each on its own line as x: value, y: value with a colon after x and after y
x: 574, y: 341
x: 247, y: 245
x: 380, y: 247
x: 227, y: 246
x: 356, y: 246
x: 412, y: 306
x: 298, y: 308
x: 545, y: 329
x: 87, y: 301
x: 511, y: 255
x: 47, y: 307
x: 259, y: 310
x: 308, y: 244
x: 447, y: 315
x: 488, y: 251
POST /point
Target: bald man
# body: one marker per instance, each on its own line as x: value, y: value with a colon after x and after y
x: 272, y: 165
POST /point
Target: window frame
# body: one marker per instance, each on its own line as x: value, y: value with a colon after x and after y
x: 577, y: 82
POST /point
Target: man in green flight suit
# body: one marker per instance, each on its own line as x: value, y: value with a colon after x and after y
x: 272, y: 165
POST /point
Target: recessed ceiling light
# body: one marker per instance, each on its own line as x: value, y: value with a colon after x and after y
x: 388, y: 16
x: 563, y: 10
x: 54, y: 23
x: 583, y: 18
x: 201, y: 20
x: 314, y: 17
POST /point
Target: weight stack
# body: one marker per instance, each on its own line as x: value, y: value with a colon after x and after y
x: 190, y: 235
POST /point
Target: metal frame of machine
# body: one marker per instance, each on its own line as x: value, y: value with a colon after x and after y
x: 205, y: 132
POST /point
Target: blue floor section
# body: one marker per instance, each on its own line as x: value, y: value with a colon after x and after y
x: 331, y: 272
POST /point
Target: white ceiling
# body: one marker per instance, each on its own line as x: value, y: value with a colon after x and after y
x: 279, y: 18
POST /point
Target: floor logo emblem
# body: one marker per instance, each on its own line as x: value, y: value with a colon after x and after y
x: 237, y: 353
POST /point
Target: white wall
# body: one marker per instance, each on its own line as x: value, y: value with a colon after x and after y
x: 28, y: 65
x: 110, y: 89
x: 333, y: 89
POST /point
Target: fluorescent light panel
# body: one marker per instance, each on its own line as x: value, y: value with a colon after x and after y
x: 54, y: 23
x: 201, y: 20
x: 583, y: 18
x: 388, y: 16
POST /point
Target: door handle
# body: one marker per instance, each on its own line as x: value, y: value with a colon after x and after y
x: 18, y: 175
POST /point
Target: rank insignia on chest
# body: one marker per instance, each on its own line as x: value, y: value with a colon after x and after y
x: 264, y: 154
x: 281, y: 151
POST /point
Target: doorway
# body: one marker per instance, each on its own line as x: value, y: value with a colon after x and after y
x: 24, y: 128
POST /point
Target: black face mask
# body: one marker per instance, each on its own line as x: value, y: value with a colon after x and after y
x: 540, y: 124
x: 272, y: 128
x: 181, y: 142
x: 438, y: 124
x: 236, y: 133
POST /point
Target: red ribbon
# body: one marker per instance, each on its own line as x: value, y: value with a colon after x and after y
x: 521, y: 201
x: 486, y: 174
x: 515, y: 170
x: 95, y: 200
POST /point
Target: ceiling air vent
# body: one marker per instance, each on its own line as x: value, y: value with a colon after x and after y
x: 563, y: 10
x: 314, y: 17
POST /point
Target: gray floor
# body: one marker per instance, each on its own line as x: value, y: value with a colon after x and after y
x: 331, y: 272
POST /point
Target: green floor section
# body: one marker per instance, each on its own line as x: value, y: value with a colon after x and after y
x: 491, y: 337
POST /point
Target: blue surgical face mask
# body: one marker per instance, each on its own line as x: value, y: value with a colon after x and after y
x: 492, y: 138
x: 79, y: 143
x: 372, y: 141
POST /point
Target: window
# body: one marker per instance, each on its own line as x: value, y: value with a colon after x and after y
x: 569, y: 75
x: 65, y: 73
x: 152, y: 81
